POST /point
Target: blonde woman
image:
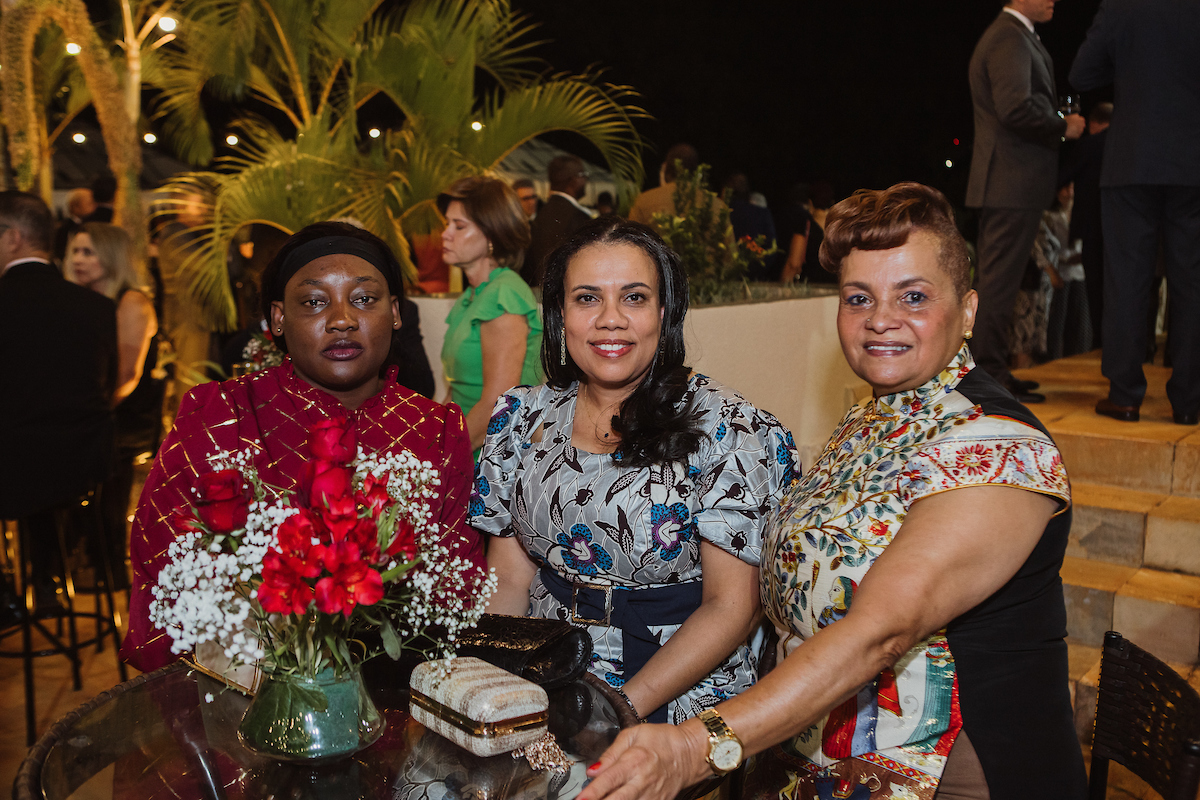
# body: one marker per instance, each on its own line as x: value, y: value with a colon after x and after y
x: 100, y: 257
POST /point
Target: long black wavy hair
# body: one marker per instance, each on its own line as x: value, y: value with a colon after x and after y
x: 653, y: 426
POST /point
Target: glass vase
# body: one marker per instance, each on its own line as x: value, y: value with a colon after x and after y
x: 311, y: 719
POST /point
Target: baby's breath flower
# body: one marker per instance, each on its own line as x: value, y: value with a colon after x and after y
x: 208, y: 589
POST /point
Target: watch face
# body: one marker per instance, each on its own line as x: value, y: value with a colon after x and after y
x: 726, y: 755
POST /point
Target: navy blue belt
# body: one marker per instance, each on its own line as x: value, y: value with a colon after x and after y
x: 633, y: 611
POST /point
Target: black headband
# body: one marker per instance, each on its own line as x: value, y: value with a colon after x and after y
x: 327, y: 246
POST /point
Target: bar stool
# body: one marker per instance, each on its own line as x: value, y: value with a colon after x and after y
x: 32, y: 618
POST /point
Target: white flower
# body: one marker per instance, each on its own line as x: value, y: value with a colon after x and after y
x: 207, y: 590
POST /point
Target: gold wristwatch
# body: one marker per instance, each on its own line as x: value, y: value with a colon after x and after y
x: 724, y: 747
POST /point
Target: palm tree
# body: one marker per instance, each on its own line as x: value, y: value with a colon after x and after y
x: 44, y: 85
x: 20, y: 99
x: 61, y: 93
x: 426, y: 58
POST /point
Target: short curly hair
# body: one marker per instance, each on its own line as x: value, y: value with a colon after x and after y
x: 881, y: 219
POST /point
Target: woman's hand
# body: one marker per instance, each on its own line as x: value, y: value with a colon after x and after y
x: 650, y: 762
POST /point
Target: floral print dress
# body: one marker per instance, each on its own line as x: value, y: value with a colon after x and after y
x: 588, y: 519
x: 892, y: 739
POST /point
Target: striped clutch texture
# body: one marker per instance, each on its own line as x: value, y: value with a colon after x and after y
x: 479, y: 707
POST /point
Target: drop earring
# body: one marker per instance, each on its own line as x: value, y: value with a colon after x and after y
x: 562, y: 350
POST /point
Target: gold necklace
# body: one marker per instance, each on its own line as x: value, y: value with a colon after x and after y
x: 593, y: 418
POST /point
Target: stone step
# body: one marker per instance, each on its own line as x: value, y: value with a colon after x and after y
x: 1186, y: 479
x: 1140, y: 456
x: 1134, y: 528
x: 1156, y: 610
x: 1173, y: 535
x: 1108, y: 523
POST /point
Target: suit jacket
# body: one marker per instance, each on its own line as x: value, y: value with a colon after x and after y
x: 554, y: 224
x: 1081, y: 165
x: 1148, y: 50
x: 1017, y: 126
x: 58, y: 355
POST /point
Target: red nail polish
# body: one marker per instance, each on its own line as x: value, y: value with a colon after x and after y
x: 593, y: 766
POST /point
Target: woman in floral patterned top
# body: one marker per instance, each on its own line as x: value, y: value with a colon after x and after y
x: 912, y: 574
x: 613, y: 490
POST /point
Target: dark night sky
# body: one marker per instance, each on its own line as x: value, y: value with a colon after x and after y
x: 863, y: 93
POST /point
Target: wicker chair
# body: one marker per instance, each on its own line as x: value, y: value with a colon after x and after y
x: 1147, y: 719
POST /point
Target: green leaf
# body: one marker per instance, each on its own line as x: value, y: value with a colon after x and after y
x: 391, y: 642
x: 288, y: 700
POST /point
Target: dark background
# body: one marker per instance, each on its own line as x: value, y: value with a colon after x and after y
x: 863, y: 93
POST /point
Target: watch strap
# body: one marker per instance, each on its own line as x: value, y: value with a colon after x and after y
x: 718, y: 730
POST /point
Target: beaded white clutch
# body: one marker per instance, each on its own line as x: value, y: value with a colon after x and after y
x: 479, y: 707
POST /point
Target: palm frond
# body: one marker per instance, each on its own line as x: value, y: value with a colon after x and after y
x: 290, y: 184
x: 425, y: 61
x: 430, y: 164
x: 600, y: 113
x: 504, y: 55
x: 180, y: 80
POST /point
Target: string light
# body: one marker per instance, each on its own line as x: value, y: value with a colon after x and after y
x: 476, y: 126
x: 167, y: 24
x: 73, y: 49
x: 231, y: 140
x: 374, y: 133
x: 79, y: 138
x: 150, y: 138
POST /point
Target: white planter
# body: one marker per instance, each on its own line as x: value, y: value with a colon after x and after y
x: 783, y: 356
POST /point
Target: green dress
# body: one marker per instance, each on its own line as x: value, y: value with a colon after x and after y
x: 504, y: 292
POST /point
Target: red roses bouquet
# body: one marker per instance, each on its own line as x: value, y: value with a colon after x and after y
x: 293, y: 583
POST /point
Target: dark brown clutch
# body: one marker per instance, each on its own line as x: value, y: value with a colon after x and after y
x: 549, y: 652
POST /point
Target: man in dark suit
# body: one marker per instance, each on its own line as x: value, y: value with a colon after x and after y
x: 1150, y: 186
x: 1013, y: 169
x: 58, y: 356
x: 1081, y: 166
x: 560, y: 217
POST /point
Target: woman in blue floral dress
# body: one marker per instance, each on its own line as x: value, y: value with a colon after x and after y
x: 628, y: 493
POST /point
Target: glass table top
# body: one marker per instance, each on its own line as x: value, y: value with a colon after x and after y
x: 175, y: 736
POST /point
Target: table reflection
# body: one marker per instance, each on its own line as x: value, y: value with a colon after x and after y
x: 174, y: 735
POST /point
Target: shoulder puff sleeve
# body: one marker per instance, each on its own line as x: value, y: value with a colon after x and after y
x: 988, y: 451
x: 508, y: 432
x: 745, y: 466
x: 205, y: 424
x: 507, y: 296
